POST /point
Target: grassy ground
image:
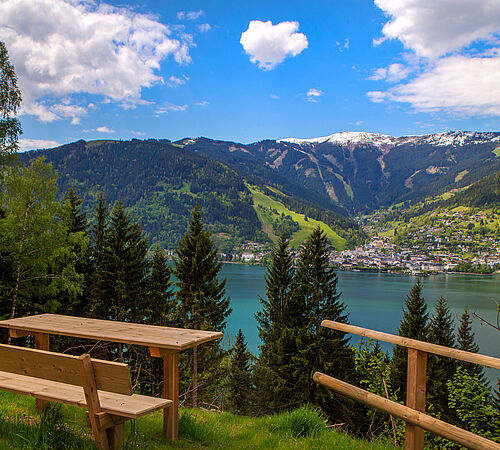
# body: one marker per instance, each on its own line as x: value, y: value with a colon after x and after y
x: 301, y: 429
x: 306, y: 226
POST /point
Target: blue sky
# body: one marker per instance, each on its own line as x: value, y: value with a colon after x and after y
x: 247, y: 71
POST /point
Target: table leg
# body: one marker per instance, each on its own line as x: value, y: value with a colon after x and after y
x: 41, y: 343
x: 171, y: 391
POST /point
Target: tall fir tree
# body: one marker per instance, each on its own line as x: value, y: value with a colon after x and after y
x: 125, y: 268
x: 466, y: 341
x: 440, y: 369
x: 413, y: 325
x: 239, y: 387
x: 99, y: 231
x: 158, y: 311
x: 202, y: 303
x: 319, y: 348
x: 273, y: 379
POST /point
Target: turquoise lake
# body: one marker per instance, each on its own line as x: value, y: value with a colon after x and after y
x: 375, y: 300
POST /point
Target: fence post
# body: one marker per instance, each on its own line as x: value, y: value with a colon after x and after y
x: 415, y: 396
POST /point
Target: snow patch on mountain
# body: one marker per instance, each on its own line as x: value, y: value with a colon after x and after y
x: 349, y: 138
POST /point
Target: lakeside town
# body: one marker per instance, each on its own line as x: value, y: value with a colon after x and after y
x: 451, y: 241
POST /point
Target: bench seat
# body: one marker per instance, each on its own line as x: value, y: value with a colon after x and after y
x: 131, y: 406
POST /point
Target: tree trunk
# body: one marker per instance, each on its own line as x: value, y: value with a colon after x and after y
x: 195, y: 377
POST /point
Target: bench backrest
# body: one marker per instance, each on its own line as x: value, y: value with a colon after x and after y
x: 109, y: 376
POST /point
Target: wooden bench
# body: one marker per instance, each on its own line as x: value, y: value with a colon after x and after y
x: 103, y: 387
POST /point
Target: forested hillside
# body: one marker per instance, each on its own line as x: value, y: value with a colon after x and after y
x: 160, y: 182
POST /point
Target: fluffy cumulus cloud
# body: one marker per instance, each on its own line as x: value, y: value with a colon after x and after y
x: 268, y: 44
x: 454, y: 49
x: 63, y: 48
x: 35, y: 144
x: 433, y: 28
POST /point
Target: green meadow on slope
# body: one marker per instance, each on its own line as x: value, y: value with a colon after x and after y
x: 306, y: 224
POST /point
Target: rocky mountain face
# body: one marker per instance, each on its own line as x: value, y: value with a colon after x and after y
x: 363, y: 171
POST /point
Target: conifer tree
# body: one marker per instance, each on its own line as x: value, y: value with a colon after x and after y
x: 239, y: 388
x: 440, y: 369
x: 125, y: 268
x: 466, y: 341
x: 201, y: 298
x: 319, y: 348
x: 99, y: 231
x: 413, y: 325
x: 274, y: 382
x: 158, y: 310
x: 76, y: 217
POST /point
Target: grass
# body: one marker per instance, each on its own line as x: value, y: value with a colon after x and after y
x: 306, y: 226
x: 497, y: 152
x: 64, y: 427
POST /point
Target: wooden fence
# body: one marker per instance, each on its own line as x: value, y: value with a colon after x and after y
x: 413, y: 412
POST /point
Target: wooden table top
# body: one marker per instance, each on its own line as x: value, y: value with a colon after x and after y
x: 113, y: 331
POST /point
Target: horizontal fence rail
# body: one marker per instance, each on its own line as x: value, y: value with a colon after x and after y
x: 409, y: 415
x: 413, y: 412
x: 476, y: 358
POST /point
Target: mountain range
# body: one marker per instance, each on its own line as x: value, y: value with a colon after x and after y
x: 253, y: 191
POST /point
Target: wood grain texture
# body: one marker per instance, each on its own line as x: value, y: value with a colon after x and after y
x: 455, y: 434
x: 171, y: 391
x: 41, y: 343
x: 415, y: 396
x: 484, y: 360
x: 110, y: 376
x: 107, y: 330
x: 131, y: 406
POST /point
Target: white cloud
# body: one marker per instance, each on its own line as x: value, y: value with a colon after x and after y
x: 189, y: 15
x: 449, y: 73
x: 104, y: 129
x: 268, y: 44
x: 392, y: 73
x: 60, y: 48
x: 35, y: 144
x: 433, y: 28
x: 138, y: 133
x: 203, y: 103
x: 204, y: 27
x: 168, y: 108
x: 314, y: 94
x: 461, y: 84
x: 275, y: 97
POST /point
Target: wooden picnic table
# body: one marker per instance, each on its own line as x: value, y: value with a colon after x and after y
x: 163, y: 342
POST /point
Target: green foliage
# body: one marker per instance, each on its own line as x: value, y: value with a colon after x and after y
x: 466, y: 341
x: 273, y: 373
x: 36, y: 242
x: 468, y: 267
x: 239, y: 386
x: 473, y: 404
x: 413, y: 325
x: 315, y: 299
x: 439, y: 368
x: 10, y: 100
x: 201, y: 301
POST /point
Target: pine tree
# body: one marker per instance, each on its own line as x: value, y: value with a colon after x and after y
x: 440, y: 369
x: 99, y: 232
x: 239, y: 388
x: 319, y: 348
x: 413, y: 325
x: 274, y: 383
x: 466, y: 341
x: 201, y: 298
x: 76, y: 217
x: 158, y: 310
x: 125, y: 267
